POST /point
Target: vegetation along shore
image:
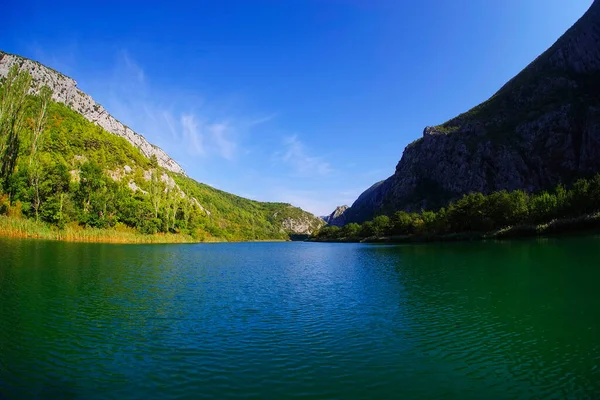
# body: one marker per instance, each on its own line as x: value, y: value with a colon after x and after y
x: 477, y: 216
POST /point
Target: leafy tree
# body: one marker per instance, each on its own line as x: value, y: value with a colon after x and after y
x: 401, y: 223
x: 91, y: 194
x: 157, y: 188
x: 367, y: 229
x: 35, y: 169
x: 12, y: 113
x: 381, y: 225
x: 429, y: 219
x: 351, y: 230
x: 543, y: 207
x: 56, y: 207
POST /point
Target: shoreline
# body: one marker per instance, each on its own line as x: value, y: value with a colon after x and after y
x: 18, y: 228
x: 557, y: 227
x: 21, y: 228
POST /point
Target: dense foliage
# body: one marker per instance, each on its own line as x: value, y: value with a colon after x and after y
x: 478, y: 213
x: 59, y: 168
x: 237, y: 218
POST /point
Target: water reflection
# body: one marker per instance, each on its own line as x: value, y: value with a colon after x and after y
x: 508, y: 320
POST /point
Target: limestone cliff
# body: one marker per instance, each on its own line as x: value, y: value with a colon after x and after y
x: 65, y: 91
x: 337, y: 217
x: 296, y: 221
x: 540, y: 129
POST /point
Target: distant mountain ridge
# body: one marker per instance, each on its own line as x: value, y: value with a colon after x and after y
x: 540, y: 129
x: 65, y: 91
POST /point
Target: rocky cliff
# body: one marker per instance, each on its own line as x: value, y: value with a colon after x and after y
x: 540, y: 129
x: 296, y: 221
x: 337, y: 217
x: 65, y: 91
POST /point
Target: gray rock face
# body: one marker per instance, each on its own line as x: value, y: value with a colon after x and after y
x: 302, y: 226
x: 65, y: 91
x: 337, y: 217
x: 293, y: 220
x: 540, y: 129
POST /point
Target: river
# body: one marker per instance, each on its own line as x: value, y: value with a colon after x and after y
x: 494, y: 320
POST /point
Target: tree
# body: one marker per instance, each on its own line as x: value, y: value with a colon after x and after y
x: 543, y: 207
x: 157, y: 187
x: 367, y: 229
x: 519, y: 206
x: 580, y: 197
x: 40, y: 123
x: 36, y: 141
x: 12, y: 113
x: 351, y: 230
x: 401, y: 223
x: 171, y: 205
x: 429, y: 221
x: 381, y: 225
x: 185, y: 210
x: 54, y: 192
x: 153, y: 162
x: 91, y: 194
x: 562, y: 199
x: 468, y: 213
x: 594, y: 193
x: 329, y: 232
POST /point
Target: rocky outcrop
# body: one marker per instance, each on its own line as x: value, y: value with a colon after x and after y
x: 65, y: 91
x: 296, y: 221
x: 540, y: 129
x: 337, y: 217
x: 300, y: 226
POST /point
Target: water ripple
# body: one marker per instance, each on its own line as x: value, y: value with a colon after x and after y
x: 299, y: 320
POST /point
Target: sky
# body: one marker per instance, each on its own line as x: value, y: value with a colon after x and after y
x: 305, y: 102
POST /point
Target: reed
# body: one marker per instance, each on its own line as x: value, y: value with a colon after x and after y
x: 27, y: 228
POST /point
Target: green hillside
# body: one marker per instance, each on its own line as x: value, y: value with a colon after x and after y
x: 60, y: 169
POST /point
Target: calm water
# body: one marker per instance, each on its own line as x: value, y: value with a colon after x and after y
x: 271, y: 320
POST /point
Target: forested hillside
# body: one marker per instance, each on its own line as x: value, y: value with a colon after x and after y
x: 58, y: 168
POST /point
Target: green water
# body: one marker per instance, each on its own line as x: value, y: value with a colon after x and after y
x: 508, y: 320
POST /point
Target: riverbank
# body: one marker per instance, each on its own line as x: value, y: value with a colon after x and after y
x: 27, y: 228
x: 23, y: 228
x: 555, y: 227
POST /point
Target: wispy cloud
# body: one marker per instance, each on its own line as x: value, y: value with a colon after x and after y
x: 297, y: 157
x: 133, y: 67
x: 192, y: 134
x: 170, y: 122
x: 194, y: 128
x: 220, y: 133
x: 262, y: 120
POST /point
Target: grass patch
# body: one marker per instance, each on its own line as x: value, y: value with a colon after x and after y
x: 27, y: 228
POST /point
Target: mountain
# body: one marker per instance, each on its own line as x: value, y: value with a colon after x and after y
x: 337, y: 217
x: 542, y: 128
x: 64, y: 90
x: 89, y: 169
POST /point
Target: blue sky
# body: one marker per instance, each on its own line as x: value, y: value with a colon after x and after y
x: 307, y: 102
